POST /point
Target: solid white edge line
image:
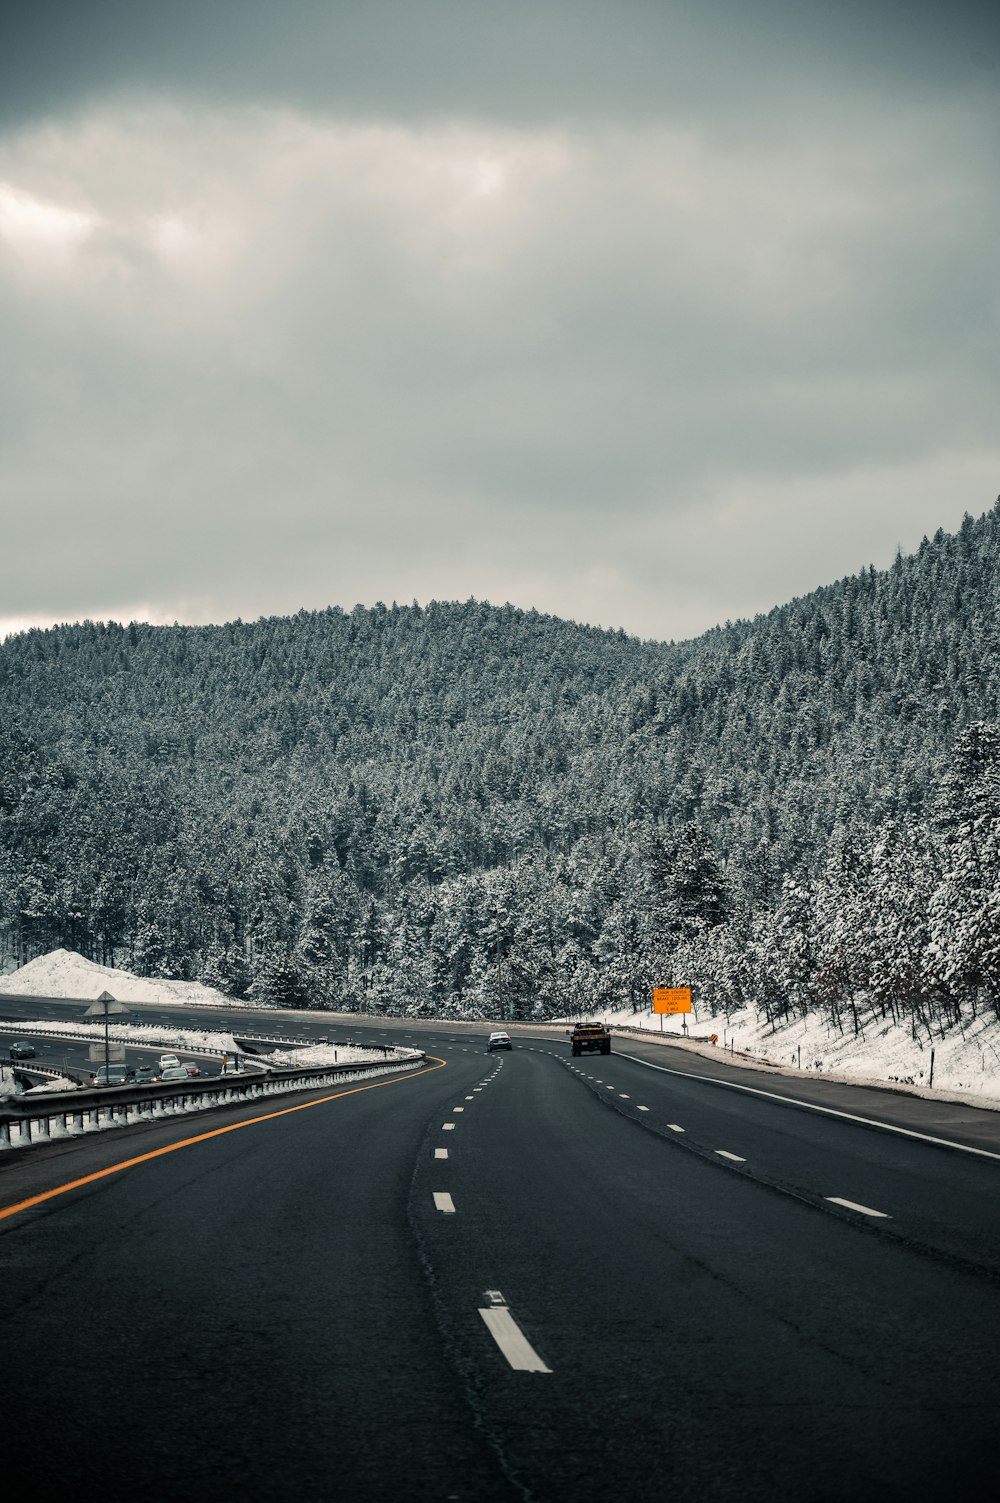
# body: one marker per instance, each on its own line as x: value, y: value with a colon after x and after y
x: 852, y: 1205
x: 443, y: 1202
x: 512, y: 1341
x: 811, y: 1106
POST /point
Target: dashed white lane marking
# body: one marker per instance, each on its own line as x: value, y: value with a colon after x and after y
x: 624, y: 1097
x: 733, y: 1157
x: 511, y: 1339
x: 440, y: 1153
x: 448, y: 1126
x: 812, y: 1106
x: 609, y: 1087
x: 852, y: 1205
x: 468, y: 1098
x: 642, y: 1108
x: 675, y: 1127
x: 444, y: 1202
x: 458, y: 1108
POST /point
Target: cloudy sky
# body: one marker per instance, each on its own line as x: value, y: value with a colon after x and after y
x: 648, y: 314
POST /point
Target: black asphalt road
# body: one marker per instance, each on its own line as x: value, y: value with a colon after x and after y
x: 287, y: 1311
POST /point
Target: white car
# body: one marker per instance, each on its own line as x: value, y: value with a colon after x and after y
x: 169, y: 1062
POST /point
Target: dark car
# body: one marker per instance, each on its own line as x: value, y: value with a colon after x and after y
x: 498, y: 1041
x: 113, y: 1075
x: 21, y: 1050
x: 144, y: 1074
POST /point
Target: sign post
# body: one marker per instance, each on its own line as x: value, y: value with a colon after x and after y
x: 105, y: 1007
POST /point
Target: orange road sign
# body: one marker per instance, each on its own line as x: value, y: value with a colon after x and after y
x: 671, y: 999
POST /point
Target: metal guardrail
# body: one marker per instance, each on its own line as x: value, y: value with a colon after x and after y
x: 135, y: 1042
x: 95, y: 1034
x: 24, y: 1120
x: 292, y: 1044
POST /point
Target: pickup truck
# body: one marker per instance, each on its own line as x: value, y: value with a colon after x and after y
x: 588, y: 1038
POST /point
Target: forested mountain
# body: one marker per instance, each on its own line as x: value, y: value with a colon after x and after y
x: 465, y: 809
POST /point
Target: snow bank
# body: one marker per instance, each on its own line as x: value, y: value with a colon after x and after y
x: 318, y: 1054
x: 58, y: 1083
x: 966, y: 1059
x: 64, y: 973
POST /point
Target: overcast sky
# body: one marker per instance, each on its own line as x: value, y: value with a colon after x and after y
x: 648, y: 314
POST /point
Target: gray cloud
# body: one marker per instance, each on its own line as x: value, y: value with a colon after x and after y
x: 530, y: 60
x: 639, y: 342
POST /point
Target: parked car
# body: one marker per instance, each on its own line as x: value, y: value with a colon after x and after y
x: 21, y: 1050
x: 174, y: 1072
x: 498, y: 1041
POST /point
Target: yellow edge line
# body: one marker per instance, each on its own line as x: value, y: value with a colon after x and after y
x: 203, y: 1137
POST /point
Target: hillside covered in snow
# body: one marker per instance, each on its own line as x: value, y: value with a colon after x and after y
x: 475, y: 811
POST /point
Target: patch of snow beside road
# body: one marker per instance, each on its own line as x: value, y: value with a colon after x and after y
x: 64, y: 973
x: 318, y: 1055
x: 966, y: 1059
x: 57, y: 1083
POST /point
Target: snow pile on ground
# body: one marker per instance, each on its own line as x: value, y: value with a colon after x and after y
x: 8, y: 1085
x: 966, y: 1059
x: 318, y: 1055
x: 57, y: 1083
x: 64, y: 973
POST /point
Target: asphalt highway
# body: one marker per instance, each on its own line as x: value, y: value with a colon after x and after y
x: 511, y: 1276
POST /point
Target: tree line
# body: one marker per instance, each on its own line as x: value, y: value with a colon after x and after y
x: 475, y: 810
